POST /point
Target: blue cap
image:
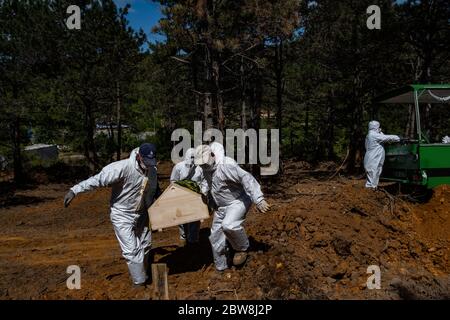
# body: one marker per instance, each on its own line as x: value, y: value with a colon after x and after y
x: 148, y: 154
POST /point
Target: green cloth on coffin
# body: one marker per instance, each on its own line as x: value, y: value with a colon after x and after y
x: 191, y: 185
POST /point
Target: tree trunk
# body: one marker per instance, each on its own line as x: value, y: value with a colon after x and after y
x: 255, y: 115
x: 279, y: 85
x: 306, y: 120
x: 319, y: 146
x: 111, y: 137
x: 426, y: 78
x: 119, y: 123
x: 218, y: 94
x: 90, y: 151
x: 329, y: 136
x: 194, y: 71
x: 17, y: 139
x: 255, y: 102
x: 207, y: 107
x: 356, y: 143
x: 243, y: 106
x: 17, y: 158
x: 291, y: 140
x: 243, y: 115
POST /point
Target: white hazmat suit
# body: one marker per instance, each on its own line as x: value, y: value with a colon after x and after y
x: 133, y: 191
x: 233, y: 190
x: 374, y: 157
x: 186, y: 169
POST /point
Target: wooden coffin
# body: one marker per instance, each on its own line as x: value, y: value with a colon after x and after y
x: 177, y: 205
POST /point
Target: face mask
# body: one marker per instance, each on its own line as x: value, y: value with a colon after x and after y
x: 189, y: 162
x: 205, y: 159
x: 142, y: 163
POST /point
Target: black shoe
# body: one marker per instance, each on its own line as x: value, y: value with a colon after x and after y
x: 239, y: 258
x: 140, y: 285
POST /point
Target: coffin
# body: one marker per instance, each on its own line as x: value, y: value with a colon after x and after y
x: 175, y: 206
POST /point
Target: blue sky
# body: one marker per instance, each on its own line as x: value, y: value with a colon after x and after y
x: 143, y: 14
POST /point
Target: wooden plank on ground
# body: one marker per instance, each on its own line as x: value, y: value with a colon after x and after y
x: 160, y: 283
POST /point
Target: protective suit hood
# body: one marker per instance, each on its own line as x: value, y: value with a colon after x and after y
x: 189, y: 154
x: 227, y: 181
x: 218, y: 151
x: 187, y: 169
x: 374, y: 125
x: 133, y: 154
x: 203, y: 155
x: 134, y: 162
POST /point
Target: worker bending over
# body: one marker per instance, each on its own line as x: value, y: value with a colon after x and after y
x: 134, y: 188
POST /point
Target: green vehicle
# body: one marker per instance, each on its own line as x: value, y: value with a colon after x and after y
x: 422, y: 157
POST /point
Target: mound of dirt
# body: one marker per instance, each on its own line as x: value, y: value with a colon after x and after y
x: 433, y: 218
x: 322, y: 242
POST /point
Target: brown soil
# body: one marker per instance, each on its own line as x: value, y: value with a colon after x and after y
x: 315, y: 243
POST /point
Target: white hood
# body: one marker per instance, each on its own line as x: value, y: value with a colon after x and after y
x: 188, y: 157
x: 374, y: 125
x: 218, y: 151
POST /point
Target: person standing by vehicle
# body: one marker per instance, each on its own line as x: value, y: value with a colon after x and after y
x: 374, y: 157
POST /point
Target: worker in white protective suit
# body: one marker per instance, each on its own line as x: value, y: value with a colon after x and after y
x: 186, y: 169
x: 233, y: 191
x: 446, y: 140
x: 374, y: 157
x: 134, y: 188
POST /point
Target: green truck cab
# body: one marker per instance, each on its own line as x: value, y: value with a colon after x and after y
x: 417, y: 159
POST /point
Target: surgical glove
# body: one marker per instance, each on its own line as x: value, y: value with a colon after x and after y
x: 263, y: 206
x: 68, y: 198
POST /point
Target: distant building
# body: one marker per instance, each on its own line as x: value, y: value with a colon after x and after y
x: 145, y: 135
x: 41, y: 151
x: 105, y: 128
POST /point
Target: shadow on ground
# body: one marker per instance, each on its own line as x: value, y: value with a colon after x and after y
x: 194, y: 257
x: 188, y: 258
x: 17, y: 200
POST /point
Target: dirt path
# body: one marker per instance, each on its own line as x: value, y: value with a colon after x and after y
x: 317, y: 242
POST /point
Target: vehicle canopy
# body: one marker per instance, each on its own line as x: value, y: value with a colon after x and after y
x: 424, y: 93
x: 418, y: 94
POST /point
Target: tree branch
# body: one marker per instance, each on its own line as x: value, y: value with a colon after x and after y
x: 180, y: 60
